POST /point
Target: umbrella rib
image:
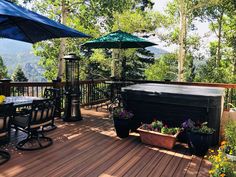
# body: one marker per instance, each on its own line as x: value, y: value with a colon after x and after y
x: 36, y: 23
x: 21, y: 29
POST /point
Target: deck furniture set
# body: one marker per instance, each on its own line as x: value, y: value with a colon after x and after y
x: 30, y: 115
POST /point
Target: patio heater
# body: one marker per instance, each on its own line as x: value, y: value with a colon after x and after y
x: 72, y: 94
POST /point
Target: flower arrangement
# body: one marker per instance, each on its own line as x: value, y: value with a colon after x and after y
x: 158, y: 126
x: 197, y: 127
x: 221, y: 166
x: 2, y: 98
x: 229, y: 146
x: 158, y: 134
x: 122, y: 113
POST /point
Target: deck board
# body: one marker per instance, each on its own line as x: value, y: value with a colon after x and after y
x: 90, y: 148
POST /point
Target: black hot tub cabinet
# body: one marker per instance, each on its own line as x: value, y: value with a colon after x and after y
x: 173, y: 104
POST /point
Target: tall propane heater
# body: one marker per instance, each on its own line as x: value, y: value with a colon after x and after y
x: 72, y: 101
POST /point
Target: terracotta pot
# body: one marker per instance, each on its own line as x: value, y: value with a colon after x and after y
x: 157, y: 139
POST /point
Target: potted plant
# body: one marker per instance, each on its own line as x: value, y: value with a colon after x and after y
x: 199, y: 136
x: 230, y: 144
x: 158, y: 134
x: 121, y: 119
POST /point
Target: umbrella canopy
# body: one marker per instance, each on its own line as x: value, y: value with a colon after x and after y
x: 120, y: 40
x: 24, y: 25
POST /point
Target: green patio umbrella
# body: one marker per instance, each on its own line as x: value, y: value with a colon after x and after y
x: 118, y: 40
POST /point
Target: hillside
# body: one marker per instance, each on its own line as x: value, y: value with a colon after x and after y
x: 20, y: 53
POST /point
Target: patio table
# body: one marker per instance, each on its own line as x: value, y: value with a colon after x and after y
x: 22, y: 101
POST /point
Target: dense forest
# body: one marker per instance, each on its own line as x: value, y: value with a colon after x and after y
x: 187, y: 61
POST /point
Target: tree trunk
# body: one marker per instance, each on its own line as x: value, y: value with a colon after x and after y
x: 182, y: 40
x: 220, y: 23
x: 234, y: 67
x: 61, y: 65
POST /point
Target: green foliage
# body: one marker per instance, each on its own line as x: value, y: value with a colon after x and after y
x: 48, y: 53
x: 203, y: 128
x: 96, y: 66
x: 94, y: 18
x: 208, y: 72
x: 197, y: 127
x: 169, y: 131
x: 99, y: 17
x: 135, y: 21
x: 137, y: 60
x: 3, y: 69
x: 230, y: 130
x: 18, y: 75
x: 158, y: 126
x: 164, y: 67
x: 180, y: 16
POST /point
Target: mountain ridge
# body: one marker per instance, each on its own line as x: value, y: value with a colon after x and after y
x: 15, y: 53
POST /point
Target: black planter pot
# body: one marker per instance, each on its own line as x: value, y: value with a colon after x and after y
x: 122, y: 127
x: 199, y: 143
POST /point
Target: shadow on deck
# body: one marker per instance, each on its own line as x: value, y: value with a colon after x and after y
x: 90, y: 148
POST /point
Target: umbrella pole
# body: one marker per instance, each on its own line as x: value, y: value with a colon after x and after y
x: 115, y: 64
x: 123, y: 67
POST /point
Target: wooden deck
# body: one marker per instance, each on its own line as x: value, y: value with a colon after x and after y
x: 91, y: 148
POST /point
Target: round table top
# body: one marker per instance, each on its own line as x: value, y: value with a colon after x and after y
x: 22, y: 100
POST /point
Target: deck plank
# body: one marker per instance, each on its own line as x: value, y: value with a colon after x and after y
x: 204, y: 169
x: 131, y: 162
x: 173, y: 164
x: 136, y: 168
x: 90, y: 148
x: 183, y: 166
x: 151, y: 164
x: 194, y: 166
x: 160, y: 167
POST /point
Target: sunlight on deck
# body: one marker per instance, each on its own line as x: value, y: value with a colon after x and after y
x: 91, y: 148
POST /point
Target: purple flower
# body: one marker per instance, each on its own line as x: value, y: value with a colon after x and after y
x: 123, y: 114
x: 188, y: 124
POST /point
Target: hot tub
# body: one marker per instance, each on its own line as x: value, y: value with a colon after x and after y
x: 173, y: 104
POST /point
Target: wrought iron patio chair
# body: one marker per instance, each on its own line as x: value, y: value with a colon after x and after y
x: 6, y: 113
x: 55, y: 95
x: 41, y: 115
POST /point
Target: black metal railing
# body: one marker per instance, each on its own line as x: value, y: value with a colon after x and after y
x: 96, y: 91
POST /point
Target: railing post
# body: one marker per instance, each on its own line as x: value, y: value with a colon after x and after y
x: 6, y: 89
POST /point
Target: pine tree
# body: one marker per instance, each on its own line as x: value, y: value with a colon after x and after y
x: 19, y: 75
x: 137, y: 63
x: 3, y: 69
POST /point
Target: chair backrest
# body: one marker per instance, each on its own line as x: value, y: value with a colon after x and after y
x: 52, y: 93
x: 6, y: 113
x: 55, y: 95
x: 42, y: 113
